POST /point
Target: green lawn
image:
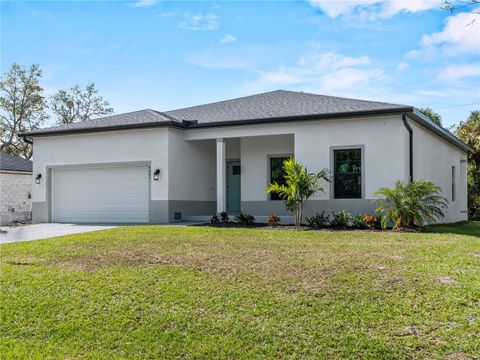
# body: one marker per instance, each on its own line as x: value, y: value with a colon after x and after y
x: 199, y: 292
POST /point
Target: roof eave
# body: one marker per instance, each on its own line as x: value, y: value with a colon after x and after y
x: 438, y: 130
x: 102, y: 129
x: 348, y: 114
x: 412, y: 112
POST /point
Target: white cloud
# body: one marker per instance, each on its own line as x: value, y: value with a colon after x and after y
x: 227, y: 38
x: 455, y: 72
x: 145, y: 3
x: 373, y: 9
x: 327, y: 73
x: 200, y: 22
x: 402, y: 65
x: 461, y: 34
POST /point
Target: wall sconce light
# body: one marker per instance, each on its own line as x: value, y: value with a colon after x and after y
x: 37, y: 179
x: 156, y: 175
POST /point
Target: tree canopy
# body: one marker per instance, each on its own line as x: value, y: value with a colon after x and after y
x: 22, y: 107
x: 432, y: 115
x: 77, y: 104
x: 469, y: 132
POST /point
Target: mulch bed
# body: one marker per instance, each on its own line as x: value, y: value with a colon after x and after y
x: 266, y: 226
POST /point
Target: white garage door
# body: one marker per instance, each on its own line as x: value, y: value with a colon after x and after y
x: 100, y: 195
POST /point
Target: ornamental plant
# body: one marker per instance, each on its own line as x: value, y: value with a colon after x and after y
x: 341, y: 219
x: 273, y: 219
x: 245, y: 219
x: 410, y: 204
x: 370, y: 221
x: 299, y: 186
x: 318, y: 221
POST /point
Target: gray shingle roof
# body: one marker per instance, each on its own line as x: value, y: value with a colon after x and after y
x: 14, y: 163
x: 141, y: 117
x: 271, y: 105
x: 279, y: 105
x: 276, y: 104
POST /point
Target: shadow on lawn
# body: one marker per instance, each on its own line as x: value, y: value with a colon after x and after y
x: 471, y: 228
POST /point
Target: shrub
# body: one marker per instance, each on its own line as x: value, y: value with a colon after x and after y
x: 409, y: 204
x: 341, y: 219
x: 359, y: 221
x: 370, y: 221
x: 245, y: 219
x: 214, y: 220
x: 299, y: 186
x: 318, y: 221
x: 224, y: 216
x: 273, y: 219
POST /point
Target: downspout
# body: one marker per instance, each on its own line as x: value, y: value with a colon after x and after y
x: 410, y: 145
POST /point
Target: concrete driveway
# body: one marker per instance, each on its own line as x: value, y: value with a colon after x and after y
x: 44, y: 231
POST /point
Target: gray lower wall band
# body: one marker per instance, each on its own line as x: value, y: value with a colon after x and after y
x: 40, y: 212
x: 353, y: 206
x: 163, y: 211
x: 191, y: 208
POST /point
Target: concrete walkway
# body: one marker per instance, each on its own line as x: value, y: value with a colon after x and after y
x: 44, y: 231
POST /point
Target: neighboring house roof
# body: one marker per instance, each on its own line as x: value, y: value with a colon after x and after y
x: 14, y: 163
x: 268, y: 107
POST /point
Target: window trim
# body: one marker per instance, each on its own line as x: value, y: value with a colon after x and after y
x: 269, y: 170
x: 362, y: 170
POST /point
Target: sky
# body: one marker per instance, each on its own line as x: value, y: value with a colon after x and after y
x: 166, y: 55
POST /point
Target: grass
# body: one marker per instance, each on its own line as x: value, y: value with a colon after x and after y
x: 194, y: 292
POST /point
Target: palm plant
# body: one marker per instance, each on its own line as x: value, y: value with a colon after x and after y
x: 299, y: 186
x: 410, y: 204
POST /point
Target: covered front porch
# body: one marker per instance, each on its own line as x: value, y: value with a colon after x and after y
x: 243, y: 167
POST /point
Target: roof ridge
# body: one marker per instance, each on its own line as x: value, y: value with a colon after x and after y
x: 341, y: 97
x: 164, y: 114
x: 280, y: 91
x: 223, y: 101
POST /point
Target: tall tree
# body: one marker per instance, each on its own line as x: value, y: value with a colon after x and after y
x: 22, y: 107
x: 77, y: 104
x: 469, y: 132
x: 432, y: 115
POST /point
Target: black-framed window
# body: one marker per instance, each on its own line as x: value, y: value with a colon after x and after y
x: 277, y: 174
x: 347, y: 173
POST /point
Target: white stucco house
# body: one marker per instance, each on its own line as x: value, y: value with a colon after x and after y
x: 15, y: 188
x: 188, y: 164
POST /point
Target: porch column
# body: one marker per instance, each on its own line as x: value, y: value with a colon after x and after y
x: 221, y: 176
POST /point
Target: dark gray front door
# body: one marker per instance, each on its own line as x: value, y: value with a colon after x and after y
x: 233, y: 186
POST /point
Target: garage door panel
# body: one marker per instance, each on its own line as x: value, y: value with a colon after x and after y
x: 101, y: 194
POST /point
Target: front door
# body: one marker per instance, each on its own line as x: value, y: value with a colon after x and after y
x: 233, y: 186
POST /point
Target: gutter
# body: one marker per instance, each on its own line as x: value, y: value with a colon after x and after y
x: 438, y: 130
x: 413, y: 114
x: 193, y: 124
x: 173, y: 124
x: 410, y: 146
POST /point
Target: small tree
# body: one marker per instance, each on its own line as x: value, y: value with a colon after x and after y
x: 299, y: 186
x: 409, y: 204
